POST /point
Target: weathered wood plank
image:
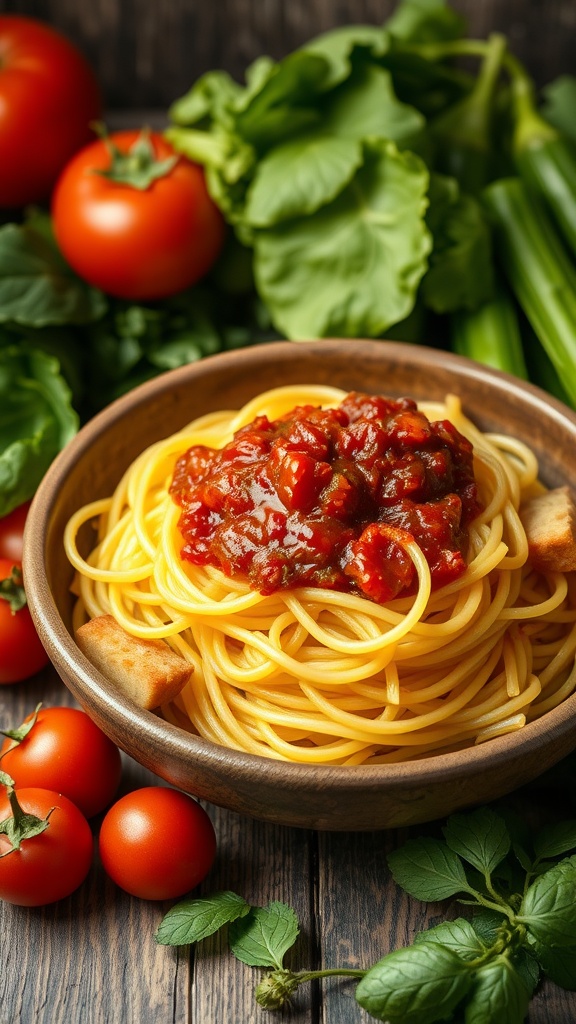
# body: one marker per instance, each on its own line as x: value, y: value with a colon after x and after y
x: 76, y: 959
x: 148, y: 54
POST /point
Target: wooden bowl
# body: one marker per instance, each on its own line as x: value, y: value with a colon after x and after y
x: 321, y: 797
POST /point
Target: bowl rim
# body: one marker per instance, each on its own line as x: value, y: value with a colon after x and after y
x: 95, y: 692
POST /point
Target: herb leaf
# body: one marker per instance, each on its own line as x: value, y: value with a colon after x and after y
x: 499, y: 994
x: 458, y: 935
x: 558, y: 964
x: 555, y: 839
x: 428, y: 870
x: 548, y: 908
x: 415, y: 985
x: 193, y: 920
x: 262, y: 937
x: 481, y: 838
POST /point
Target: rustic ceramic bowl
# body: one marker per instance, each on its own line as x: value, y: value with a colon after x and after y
x: 337, y: 798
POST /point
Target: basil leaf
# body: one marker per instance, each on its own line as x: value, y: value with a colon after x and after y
x: 487, y: 924
x: 498, y: 994
x: 298, y: 177
x: 428, y: 870
x: 36, y: 421
x: 262, y: 937
x: 555, y: 839
x: 193, y: 920
x: 458, y: 935
x: 416, y: 985
x: 558, y: 964
x: 351, y: 269
x: 548, y: 908
x: 481, y: 838
x: 37, y: 287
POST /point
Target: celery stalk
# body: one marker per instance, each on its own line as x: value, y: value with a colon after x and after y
x: 540, y: 273
x: 491, y: 335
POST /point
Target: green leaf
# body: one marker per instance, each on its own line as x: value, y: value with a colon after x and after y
x: 279, y: 99
x: 560, y: 103
x: 425, y: 21
x: 458, y: 935
x: 298, y: 177
x: 193, y: 920
x: 351, y: 269
x: 461, y: 273
x: 558, y: 964
x: 263, y: 937
x: 211, y: 97
x: 12, y: 591
x: 36, y: 421
x: 366, y: 106
x: 498, y: 994
x: 37, y: 287
x: 555, y: 839
x: 416, y: 985
x: 428, y: 870
x: 481, y: 838
x: 344, y: 47
x: 548, y: 908
x: 487, y: 924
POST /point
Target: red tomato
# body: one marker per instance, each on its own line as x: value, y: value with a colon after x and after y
x: 157, y: 843
x: 48, y: 98
x: 21, y: 653
x: 66, y: 751
x: 49, y: 866
x: 136, y: 243
x: 12, y: 532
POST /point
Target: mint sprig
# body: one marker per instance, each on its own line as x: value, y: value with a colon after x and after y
x: 480, y: 970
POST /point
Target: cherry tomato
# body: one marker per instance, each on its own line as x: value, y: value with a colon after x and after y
x: 48, y: 98
x: 157, y: 843
x: 137, y: 243
x: 12, y: 532
x: 63, y: 749
x: 21, y: 653
x: 51, y: 865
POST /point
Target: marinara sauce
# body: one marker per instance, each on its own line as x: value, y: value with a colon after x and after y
x: 328, y: 498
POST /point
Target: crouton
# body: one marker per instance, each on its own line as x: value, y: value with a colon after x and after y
x: 147, y: 671
x: 550, y: 524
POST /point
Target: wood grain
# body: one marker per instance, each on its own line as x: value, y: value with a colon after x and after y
x: 147, y: 54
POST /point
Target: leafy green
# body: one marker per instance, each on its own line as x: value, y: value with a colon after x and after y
x: 480, y: 838
x: 263, y: 936
x: 428, y: 870
x: 195, y: 919
x: 548, y: 908
x: 351, y: 269
x: 415, y: 985
x: 498, y: 994
x: 36, y: 421
x: 559, y: 103
x: 36, y: 285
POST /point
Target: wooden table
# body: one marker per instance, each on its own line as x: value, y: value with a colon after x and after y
x: 92, y: 958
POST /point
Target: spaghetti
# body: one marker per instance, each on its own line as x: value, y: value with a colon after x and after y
x: 321, y: 676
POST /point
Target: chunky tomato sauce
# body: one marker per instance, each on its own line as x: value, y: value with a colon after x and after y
x: 328, y: 498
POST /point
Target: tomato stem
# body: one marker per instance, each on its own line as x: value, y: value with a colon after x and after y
x: 137, y: 166
x: 12, y: 590
x: 21, y: 825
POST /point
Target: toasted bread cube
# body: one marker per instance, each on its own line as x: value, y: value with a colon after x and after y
x: 147, y: 671
x: 550, y: 524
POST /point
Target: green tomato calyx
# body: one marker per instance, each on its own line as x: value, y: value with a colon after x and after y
x: 136, y: 167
